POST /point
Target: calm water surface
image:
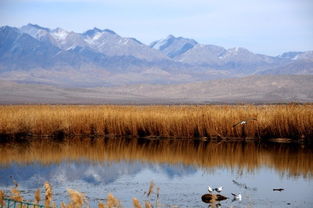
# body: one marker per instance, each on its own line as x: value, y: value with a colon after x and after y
x: 182, y: 169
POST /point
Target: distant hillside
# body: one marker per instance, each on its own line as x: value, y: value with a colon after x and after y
x: 252, y: 89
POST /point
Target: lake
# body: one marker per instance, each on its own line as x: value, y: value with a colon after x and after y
x: 181, y: 169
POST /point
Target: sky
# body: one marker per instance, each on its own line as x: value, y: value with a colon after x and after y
x: 263, y: 26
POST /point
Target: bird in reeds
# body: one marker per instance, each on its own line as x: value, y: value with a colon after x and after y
x: 210, y: 198
x: 210, y: 189
x: 278, y: 189
x: 236, y: 196
x: 244, y: 122
x: 219, y: 189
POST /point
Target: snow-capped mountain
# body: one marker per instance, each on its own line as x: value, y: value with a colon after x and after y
x: 109, y: 43
x: 102, y: 57
x: 104, y: 41
x: 172, y: 46
x: 38, y: 32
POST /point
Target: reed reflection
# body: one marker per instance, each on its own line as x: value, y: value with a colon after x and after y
x: 287, y: 159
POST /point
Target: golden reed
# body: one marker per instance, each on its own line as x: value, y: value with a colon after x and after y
x: 291, y: 121
x: 233, y: 155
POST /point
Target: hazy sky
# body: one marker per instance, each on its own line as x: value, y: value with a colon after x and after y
x: 263, y: 26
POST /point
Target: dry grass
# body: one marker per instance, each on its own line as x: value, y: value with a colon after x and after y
x: 148, y: 204
x: 77, y: 199
x: 48, y: 194
x: 16, y: 194
x: 292, y: 121
x: 2, y: 195
x: 112, y: 202
x: 151, y: 186
x: 136, y: 203
x: 37, y: 196
x: 101, y: 205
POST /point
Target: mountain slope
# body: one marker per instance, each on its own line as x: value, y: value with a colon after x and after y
x: 21, y: 51
x: 253, y: 89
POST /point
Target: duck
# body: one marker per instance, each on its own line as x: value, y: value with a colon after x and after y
x: 278, y: 189
x: 209, y: 198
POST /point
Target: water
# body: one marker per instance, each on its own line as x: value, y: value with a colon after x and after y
x: 182, y: 169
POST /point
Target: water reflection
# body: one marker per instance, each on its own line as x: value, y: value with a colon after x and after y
x: 181, y: 168
x: 290, y: 159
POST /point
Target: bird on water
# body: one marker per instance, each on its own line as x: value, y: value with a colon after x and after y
x: 210, y: 189
x: 237, y: 196
x: 219, y: 189
x: 210, y: 198
x: 244, y: 122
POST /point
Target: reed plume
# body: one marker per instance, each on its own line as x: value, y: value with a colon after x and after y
x: 112, y: 202
x: 150, y: 190
x: 136, y: 203
x: 48, y: 194
x: 148, y: 204
x: 37, y: 196
x: 63, y: 205
x: 77, y: 198
x: 101, y: 205
x: 2, y: 195
x: 16, y: 194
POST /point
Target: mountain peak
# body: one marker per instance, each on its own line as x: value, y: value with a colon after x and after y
x: 109, y: 31
x: 92, y: 32
x: 238, y: 50
x: 173, y: 46
x: 36, y: 26
x: 290, y: 54
x: 170, y: 36
x: 97, y: 29
x: 59, y: 33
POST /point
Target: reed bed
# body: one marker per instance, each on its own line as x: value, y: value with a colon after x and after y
x: 291, y: 121
x: 290, y: 160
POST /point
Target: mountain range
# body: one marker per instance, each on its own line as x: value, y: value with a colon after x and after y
x: 101, y: 57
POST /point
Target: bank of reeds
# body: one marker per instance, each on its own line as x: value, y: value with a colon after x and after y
x: 291, y: 121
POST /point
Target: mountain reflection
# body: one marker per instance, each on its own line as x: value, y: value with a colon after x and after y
x: 103, y: 160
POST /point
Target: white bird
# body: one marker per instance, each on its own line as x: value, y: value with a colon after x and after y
x: 237, y: 196
x: 244, y: 122
x: 219, y: 189
x: 210, y: 189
